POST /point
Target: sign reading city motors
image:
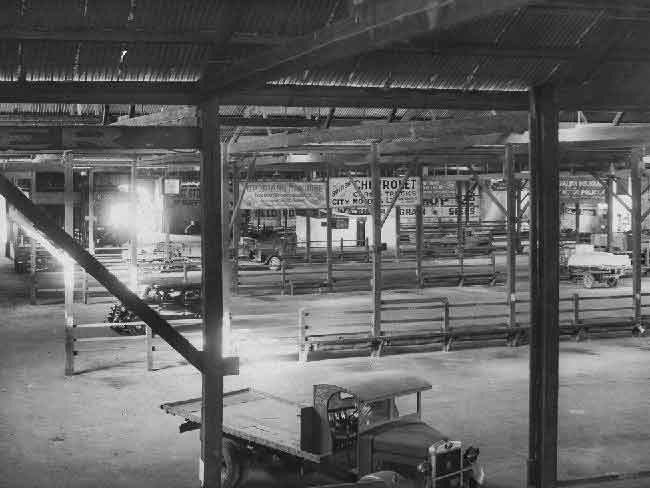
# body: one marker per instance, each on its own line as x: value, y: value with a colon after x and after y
x: 344, y: 194
x: 283, y: 194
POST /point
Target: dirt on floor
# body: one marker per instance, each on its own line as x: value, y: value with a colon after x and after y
x: 104, y: 427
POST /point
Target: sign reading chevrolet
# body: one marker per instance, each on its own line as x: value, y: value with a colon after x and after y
x: 344, y: 193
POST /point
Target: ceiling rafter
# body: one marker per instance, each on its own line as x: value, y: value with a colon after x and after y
x: 372, y: 27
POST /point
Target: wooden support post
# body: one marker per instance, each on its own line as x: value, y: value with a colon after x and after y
x: 397, y: 232
x: 328, y: 231
x: 150, y: 348
x: 11, y: 236
x: 576, y: 309
x: 283, y: 272
x: 227, y: 204
x: 520, y: 215
x: 577, y: 221
x: 445, y: 315
x: 133, y: 230
x: 341, y: 251
x: 419, y: 234
x: 367, y: 245
x: 308, y: 237
x: 511, y: 231
x: 91, y: 227
x: 212, y: 294
x: 376, y: 241
x: 32, y: 270
x: 302, y: 335
x: 468, y: 189
x: 636, y: 162
x: 61, y: 239
x: 610, y: 212
x: 544, y: 287
x: 236, y: 230
x: 68, y: 264
x: 460, y: 235
x: 32, y: 253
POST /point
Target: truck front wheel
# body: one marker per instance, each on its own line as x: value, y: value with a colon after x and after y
x: 231, y: 464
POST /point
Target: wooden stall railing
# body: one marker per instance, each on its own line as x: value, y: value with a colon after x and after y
x: 92, y: 340
x: 435, y: 323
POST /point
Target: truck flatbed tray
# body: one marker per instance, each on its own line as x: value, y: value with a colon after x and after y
x: 253, y: 416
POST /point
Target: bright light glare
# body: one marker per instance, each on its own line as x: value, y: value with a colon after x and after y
x: 147, y: 218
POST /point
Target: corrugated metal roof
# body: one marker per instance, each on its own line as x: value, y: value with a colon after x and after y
x: 528, y: 28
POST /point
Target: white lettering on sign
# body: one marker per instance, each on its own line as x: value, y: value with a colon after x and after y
x: 343, y: 193
x: 283, y: 194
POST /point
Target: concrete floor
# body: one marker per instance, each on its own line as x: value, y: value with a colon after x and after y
x: 104, y: 427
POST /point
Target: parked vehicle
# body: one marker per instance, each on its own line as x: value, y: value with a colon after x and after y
x: 359, y: 425
x: 253, y: 252
x: 597, y: 267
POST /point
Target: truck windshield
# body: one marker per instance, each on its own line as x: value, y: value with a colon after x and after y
x: 378, y: 411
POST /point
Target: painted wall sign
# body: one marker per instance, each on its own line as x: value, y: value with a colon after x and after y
x: 344, y: 194
x: 439, y: 200
x: 582, y: 189
x: 283, y: 194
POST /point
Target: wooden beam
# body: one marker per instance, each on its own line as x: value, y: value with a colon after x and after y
x: 330, y: 118
x: 434, y: 131
x: 184, y: 93
x: 187, y: 117
x: 610, y: 192
x: 96, y: 138
x: 65, y: 242
x: 68, y: 264
x: 618, y: 118
x: 129, y: 35
x: 123, y: 92
x: 395, y: 197
x: 133, y: 228
x: 606, y: 185
x: 385, y: 23
x: 369, y: 207
x: 637, y: 167
x: 489, y: 193
x: 91, y: 227
x: 422, y: 55
x: 597, y: 98
x: 544, y: 288
x: 419, y: 230
x: 375, y: 97
x: 460, y: 234
x: 376, y: 241
x: 328, y: 229
x: 212, y: 294
x: 511, y: 233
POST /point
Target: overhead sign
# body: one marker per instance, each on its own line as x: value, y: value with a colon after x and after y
x: 583, y: 189
x: 439, y: 200
x: 343, y: 193
x: 283, y: 194
x: 439, y: 192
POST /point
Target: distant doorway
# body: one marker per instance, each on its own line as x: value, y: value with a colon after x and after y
x: 361, y: 232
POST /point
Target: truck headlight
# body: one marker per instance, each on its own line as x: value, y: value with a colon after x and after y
x: 424, y: 467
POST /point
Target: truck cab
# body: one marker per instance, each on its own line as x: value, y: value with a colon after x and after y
x: 372, y: 423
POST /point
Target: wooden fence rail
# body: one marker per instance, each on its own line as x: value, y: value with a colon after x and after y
x: 427, y: 323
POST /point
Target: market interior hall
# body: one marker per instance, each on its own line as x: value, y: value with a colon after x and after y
x: 324, y: 243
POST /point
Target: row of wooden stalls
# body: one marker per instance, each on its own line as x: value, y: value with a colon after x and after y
x: 311, y: 230
x: 285, y: 242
